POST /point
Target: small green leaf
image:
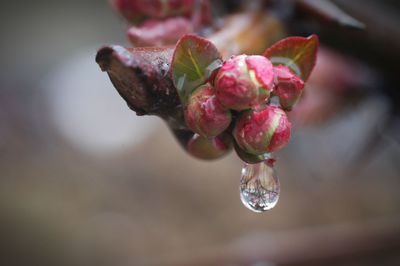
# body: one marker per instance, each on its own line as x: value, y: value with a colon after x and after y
x: 193, y: 62
x: 298, y: 53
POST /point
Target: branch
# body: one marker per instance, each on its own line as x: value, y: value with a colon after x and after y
x: 142, y: 77
x: 325, y: 10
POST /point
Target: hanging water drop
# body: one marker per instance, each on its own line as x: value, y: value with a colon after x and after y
x: 259, y: 186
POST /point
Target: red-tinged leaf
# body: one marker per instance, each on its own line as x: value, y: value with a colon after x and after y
x: 193, y: 62
x: 298, y: 53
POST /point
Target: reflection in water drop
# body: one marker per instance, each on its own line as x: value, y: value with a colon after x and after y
x: 259, y: 187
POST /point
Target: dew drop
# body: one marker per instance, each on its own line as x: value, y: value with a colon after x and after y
x: 181, y: 82
x: 213, y: 66
x: 259, y: 187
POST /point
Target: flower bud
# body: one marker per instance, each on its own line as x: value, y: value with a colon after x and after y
x: 127, y: 8
x: 165, y: 8
x: 250, y: 158
x: 288, y: 86
x: 159, y: 32
x: 133, y: 9
x: 263, y: 130
x: 244, y: 81
x: 209, y: 149
x: 204, y: 115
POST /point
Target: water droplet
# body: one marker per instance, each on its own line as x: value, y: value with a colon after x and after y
x: 213, y: 66
x: 181, y: 82
x: 259, y: 187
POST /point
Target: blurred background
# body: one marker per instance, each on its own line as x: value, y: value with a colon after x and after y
x: 84, y: 181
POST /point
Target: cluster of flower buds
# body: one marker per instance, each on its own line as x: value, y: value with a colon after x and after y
x: 237, y: 103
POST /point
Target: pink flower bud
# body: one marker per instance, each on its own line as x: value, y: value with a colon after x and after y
x: 288, y: 86
x: 204, y: 115
x: 250, y: 158
x: 209, y: 148
x: 262, y: 130
x: 159, y: 32
x: 165, y: 8
x: 132, y: 9
x: 244, y: 81
x: 127, y: 8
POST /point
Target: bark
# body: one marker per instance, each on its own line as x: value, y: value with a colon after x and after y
x: 142, y: 77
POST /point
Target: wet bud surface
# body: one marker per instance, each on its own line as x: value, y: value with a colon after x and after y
x: 204, y: 114
x: 288, y: 86
x: 244, y: 82
x: 265, y: 129
x: 209, y: 148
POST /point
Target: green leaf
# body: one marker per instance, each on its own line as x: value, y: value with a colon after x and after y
x: 298, y: 53
x: 193, y: 62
